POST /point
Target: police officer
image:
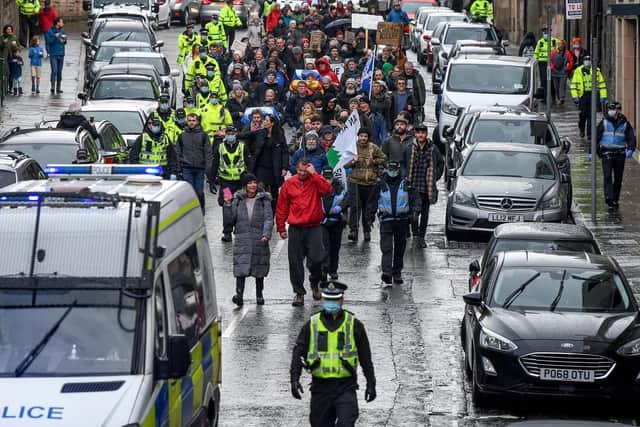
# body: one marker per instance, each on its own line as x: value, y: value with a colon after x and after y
x: 230, y: 21
x: 330, y: 346
x: 540, y: 54
x: 215, y: 84
x: 189, y: 105
x: 216, y: 31
x: 229, y: 163
x: 335, y: 210
x: 581, y: 92
x: 391, y: 200
x: 215, y: 117
x: 186, y: 40
x: 166, y: 115
x: 482, y: 10
x: 199, y: 66
x: 154, y: 148
x: 616, y: 142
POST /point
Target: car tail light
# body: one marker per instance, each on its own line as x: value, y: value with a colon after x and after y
x: 406, y: 28
x: 238, y: 2
x: 206, y: 1
x: 426, y: 37
x: 160, y: 2
x: 108, y: 159
x: 179, y: 1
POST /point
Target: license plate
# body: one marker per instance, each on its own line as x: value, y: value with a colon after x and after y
x: 101, y: 169
x: 501, y: 217
x: 572, y: 375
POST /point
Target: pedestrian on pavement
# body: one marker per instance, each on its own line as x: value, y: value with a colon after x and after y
x: 74, y: 119
x: 300, y: 205
x: 528, y: 45
x: 561, y: 66
x: 153, y: 148
x: 56, y: 40
x: 35, y: 55
x: 394, y: 146
x: 540, y: 54
x: 29, y: 11
x: 47, y: 15
x: 330, y: 346
x: 335, y: 210
x: 422, y: 165
x: 390, y: 200
x: 196, y: 156
x: 616, y: 141
x: 362, y: 181
x: 8, y: 41
x: 230, y: 20
x: 581, y: 93
x: 230, y: 160
x: 311, y: 151
x: 15, y: 71
x: 250, y: 216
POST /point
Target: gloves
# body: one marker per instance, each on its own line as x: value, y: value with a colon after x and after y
x: 296, y: 390
x: 590, y: 157
x: 212, y: 187
x: 576, y: 101
x: 172, y: 177
x: 370, y: 393
x: 629, y: 153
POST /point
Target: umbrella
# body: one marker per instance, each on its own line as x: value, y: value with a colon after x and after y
x: 338, y: 23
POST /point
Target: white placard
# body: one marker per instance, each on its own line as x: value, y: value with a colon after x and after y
x: 338, y: 69
x: 366, y: 21
x: 574, y: 9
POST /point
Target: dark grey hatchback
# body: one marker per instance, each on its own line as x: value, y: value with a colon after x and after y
x: 552, y: 324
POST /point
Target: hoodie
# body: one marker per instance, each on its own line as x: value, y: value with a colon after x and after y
x: 326, y: 70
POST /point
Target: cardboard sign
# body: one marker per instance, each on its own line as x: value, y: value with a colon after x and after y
x: 349, y: 36
x: 316, y: 40
x: 338, y: 69
x: 390, y: 34
x: 366, y: 21
x: 239, y: 46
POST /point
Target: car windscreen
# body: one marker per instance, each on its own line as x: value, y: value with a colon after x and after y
x: 489, y: 78
x: 560, y: 289
x: 122, y: 36
x: 436, y: 19
x: 507, y: 245
x: 158, y: 63
x: 7, y: 178
x: 95, y: 337
x: 520, y: 131
x: 102, y: 3
x: 105, y: 53
x: 477, y: 34
x: 411, y: 7
x: 123, y: 89
x: 126, y: 122
x: 509, y: 164
x: 45, y: 154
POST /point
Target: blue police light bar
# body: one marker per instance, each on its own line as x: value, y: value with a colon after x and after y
x: 102, y: 169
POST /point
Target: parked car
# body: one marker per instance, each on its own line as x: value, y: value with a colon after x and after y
x: 122, y: 86
x: 117, y: 12
x: 129, y: 30
x: 424, y: 48
x: 159, y: 62
x: 132, y: 69
x: 98, y: 58
x: 533, y: 236
x: 127, y: 116
x: 503, y: 182
x: 411, y: 6
x: 185, y: 11
x: 561, y: 324
x: 417, y: 23
x: 157, y: 13
x: 48, y: 146
x: 16, y: 166
x: 243, y: 8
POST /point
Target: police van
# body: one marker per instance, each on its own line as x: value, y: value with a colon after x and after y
x: 108, y: 313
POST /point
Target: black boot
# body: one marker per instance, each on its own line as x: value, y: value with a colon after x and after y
x: 53, y: 86
x: 58, y: 89
x: 259, y: 289
x: 353, y: 235
x: 237, y: 298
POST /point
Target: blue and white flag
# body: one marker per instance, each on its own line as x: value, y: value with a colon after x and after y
x: 367, y: 73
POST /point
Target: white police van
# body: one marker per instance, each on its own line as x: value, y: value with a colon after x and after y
x: 108, y: 313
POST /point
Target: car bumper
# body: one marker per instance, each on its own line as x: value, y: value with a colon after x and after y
x: 470, y: 218
x: 622, y: 383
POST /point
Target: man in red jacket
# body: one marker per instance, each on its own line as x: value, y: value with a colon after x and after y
x: 300, y: 205
x: 47, y: 15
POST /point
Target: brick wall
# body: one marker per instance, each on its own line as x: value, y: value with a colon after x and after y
x: 68, y: 8
x: 9, y: 13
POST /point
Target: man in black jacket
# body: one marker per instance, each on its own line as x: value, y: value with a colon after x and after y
x: 73, y: 119
x: 195, y: 155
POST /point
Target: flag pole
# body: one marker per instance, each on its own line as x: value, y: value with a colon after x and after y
x: 374, y: 53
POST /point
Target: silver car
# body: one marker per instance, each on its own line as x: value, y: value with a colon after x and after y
x: 503, y: 182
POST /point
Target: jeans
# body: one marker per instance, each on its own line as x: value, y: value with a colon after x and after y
x: 332, y: 235
x: 57, y: 61
x: 613, y: 169
x: 195, y: 177
x: 558, y: 87
x: 419, y: 214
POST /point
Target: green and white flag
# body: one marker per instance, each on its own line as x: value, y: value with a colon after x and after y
x: 345, y: 146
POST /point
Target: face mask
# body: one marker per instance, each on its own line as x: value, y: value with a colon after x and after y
x: 611, y: 113
x: 576, y: 46
x: 230, y: 139
x: 204, y: 90
x: 209, y: 74
x: 164, y: 107
x: 155, y: 130
x: 587, y: 64
x: 545, y: 36
x: 331, y: 306
x: 202, y: 56
x: 392, y: 174
x: 214, y: 101
x: 190, y: 106
x: 181, y: 122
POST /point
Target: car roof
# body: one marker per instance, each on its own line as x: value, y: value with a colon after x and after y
x: 557, y: 259
x: 508, y: 146
x: 508, y: 60
x: 476, y: 108
x: 125, y: 76
x: 459, y: 24
x: 490, y: 114
x: 542, y: 231
x: 123, y: 105
x: 123, y: 23
x: 40, y: 136
x: 138, y: 54
x: 123, y: 43
x: 128, y: 68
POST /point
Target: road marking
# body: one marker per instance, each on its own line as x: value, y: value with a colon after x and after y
x: 237, y: 318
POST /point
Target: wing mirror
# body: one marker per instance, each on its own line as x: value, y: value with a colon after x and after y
x: 435, y: 41
x: 85, y: 35
x: 82, y: 96
x: 156, y: 8
x: 473, y: 298
x: 158, y: 44
x: 175, y: 73
x: 565, y: 179
x: 506, y: 43
x: 566, y: 144
x: 177, y: 361
x: 447, y: 132
x: 452, y: 173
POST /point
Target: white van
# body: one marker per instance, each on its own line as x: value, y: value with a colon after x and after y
x: 108, y: 313
x: 487, y: 80
x: 156, y: 13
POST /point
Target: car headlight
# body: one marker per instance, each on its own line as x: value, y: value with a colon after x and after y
x: 493, y: 341
x: 449, y: 107
x: 464, y: 199
x: 632, y: 348
x: 551, y: 203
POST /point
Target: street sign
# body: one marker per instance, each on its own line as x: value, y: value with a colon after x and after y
x: 574, y: 9
x: 366, y: 21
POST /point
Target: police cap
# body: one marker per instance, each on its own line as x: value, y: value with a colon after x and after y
x: 333, y: 289
x: 393, y: 166
x: 164, y: 97
x: 231, y: 129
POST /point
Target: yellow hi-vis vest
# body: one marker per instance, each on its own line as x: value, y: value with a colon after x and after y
x: 231, y: 164
x: 326, y: 356
x: 156, y: 154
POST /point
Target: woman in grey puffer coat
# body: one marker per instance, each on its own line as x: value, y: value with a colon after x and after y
x: 252, y: 218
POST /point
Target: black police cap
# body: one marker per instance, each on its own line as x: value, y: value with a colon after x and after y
x: 333, y: 289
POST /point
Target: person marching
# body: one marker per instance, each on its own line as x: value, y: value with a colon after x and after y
x: 616, y: 142
x: 581, y: 93
x: 249, y: 214
x: 216, y: 33
x: 230, y: 21
x: 196, y: 156
x: 166, y: 115
x: 230, y: 161
x: 391, y: 200
x: 330, y: 346
x: 186, y: 40
x: 215, y: 118
x: 334, y: 206
x: 422, y: 167
x: 482, y: 10
x: 154, y: 148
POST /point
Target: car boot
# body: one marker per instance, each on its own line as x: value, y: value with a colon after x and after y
x: 58, y: 87
x: 259, y: 296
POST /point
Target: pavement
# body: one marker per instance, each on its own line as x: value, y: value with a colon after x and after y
x: 413, y: 328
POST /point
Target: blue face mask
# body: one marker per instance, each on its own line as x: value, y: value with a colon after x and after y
x: 190, y: 106
x: 204, y: 90
x: 202, y: 56
x: 230, y: 138
x: 214, y: 101
x: 587, y: 64
x: 210, y: 74
x: 155, y: 130
x: 164, y: 107
x: 331, y: 306
x: 545, y: 36
x: 392, y: 174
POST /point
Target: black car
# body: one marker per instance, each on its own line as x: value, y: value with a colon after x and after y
x: 16, y: 166
x: 100, y: 56
x: 121, y: 30
x: 49, y: 146
x: 552, y: 324
x: 534, y: 236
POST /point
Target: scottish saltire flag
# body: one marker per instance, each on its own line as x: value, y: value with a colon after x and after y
x: 367, y: 73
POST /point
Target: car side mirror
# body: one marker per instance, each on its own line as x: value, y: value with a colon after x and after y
x: 459, y: 144
x: 565, y: 179
x: 436, y: 88
x: 158, y: 44
x: 175, y: 73
x: 566, y: 144
x: 447, y: 132
x: 86, y: 40
x: 85, y: 35
x: 506, y: 43
x: 445, y: 55
x: 452, y: 173
x: 474, y: 267
x: 435, y: 41
x: 82, y: 96
x: 176, y: 364
x: 473, y: 298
